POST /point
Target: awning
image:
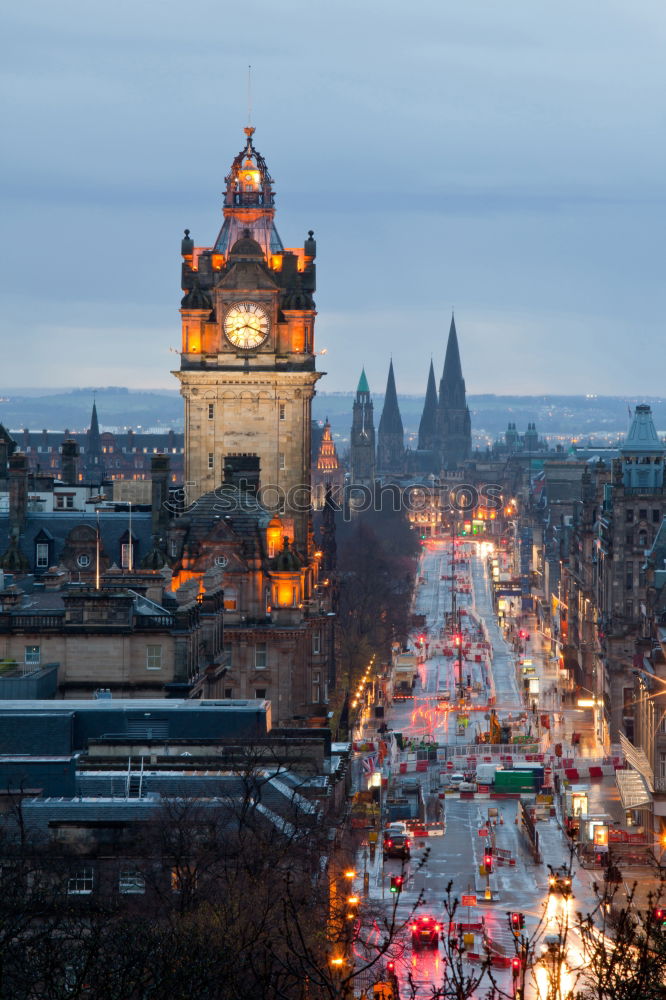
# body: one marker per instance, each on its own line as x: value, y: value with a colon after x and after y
x: 633, y: 789
x: 638, y: 761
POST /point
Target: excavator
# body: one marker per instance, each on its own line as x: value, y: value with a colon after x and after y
x: 495, y: 728
x: 493, y: 734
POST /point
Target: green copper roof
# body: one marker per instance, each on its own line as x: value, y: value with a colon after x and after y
x: 363, y: 383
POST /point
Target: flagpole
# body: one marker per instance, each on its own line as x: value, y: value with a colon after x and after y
x: 130, y: 556
x: 97, y: 553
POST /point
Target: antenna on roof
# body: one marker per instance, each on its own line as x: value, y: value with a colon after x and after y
x: 249, y: 95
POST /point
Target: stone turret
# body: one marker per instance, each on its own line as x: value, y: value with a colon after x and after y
x: 642, y: 454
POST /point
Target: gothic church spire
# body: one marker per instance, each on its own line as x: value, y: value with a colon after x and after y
x: 428, y: 425
x: 390, y: 439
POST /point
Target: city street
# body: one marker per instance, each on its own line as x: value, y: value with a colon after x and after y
x: 456, y: 849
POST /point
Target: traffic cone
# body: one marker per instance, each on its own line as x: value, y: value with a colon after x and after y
x: 501, y: 820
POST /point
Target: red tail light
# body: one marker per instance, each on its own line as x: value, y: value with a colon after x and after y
x: 388, y: 843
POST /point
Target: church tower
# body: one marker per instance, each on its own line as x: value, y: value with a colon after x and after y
x: 247, y: 369
x: 362, y: 451
x: 390, y: 437
x: 454, y: 428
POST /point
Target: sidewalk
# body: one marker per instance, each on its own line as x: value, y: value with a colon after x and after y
x: 566, y: 719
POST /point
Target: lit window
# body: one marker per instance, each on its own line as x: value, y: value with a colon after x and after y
x: 260, y: 656
x: 131, y: 882
x: 83, y: 560
x: 183, y: 879
x: 81, y: 883
x: 126, y: 554
x: 153, y: 657
x: 230, y: 599
x: 32, y: 656
x: 42, y: 555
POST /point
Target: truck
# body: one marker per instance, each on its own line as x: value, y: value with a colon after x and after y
x: 519, y: 779
x: 485, y: 773
x: 404, y: 672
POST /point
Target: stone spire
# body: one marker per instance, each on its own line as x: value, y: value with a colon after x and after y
x: 428, y: 425
x: 390, y: 439
x: 453, y: 420
x: 452, y: 385
x: 94, y: 464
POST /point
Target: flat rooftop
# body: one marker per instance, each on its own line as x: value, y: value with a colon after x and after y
x: 148, y: 705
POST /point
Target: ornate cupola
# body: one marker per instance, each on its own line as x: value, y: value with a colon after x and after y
x: 287, y: 585
x: 249, y: 203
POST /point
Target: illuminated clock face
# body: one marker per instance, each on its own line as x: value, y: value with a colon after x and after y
x: 246, y: 325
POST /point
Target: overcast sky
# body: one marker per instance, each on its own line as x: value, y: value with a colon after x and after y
x: 506, y: 159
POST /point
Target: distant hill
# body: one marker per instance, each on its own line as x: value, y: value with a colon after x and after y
x: 117, y: 407
x: 601, y: 417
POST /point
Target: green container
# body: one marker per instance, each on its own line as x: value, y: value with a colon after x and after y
x: 513, y: 781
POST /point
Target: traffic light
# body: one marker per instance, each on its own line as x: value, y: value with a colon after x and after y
x: 488, y: 859
x: 517, y: 921
x: 659, y: 916
x: 515, y: 967
x: 396, y: 883
x: 390, y: 968
x: 457, y: 640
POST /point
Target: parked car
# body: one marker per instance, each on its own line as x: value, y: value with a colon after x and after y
x: 456, y: 779
x: 397, y: 845
x: 425, y: 933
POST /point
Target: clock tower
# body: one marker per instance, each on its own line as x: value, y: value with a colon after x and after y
x: 247, y: 370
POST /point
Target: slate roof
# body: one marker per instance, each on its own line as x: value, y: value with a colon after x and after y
x: 229, y: 507
x: 57, y: 526
x: 642, y: 436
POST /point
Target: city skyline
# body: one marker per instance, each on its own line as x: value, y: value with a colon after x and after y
x: 496, y: 160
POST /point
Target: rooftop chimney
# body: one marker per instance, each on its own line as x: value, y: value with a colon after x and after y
x: 70, y: 457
